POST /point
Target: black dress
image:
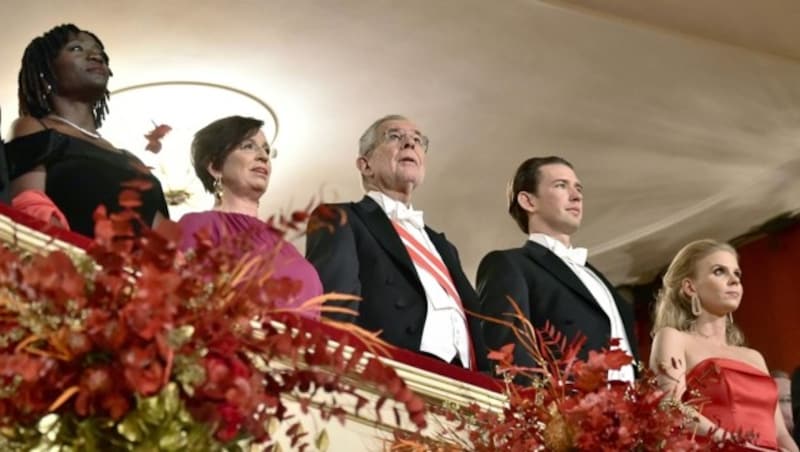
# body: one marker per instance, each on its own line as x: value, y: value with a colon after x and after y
x: 81, y: 176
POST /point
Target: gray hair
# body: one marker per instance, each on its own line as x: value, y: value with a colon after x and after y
x: 369, y: 139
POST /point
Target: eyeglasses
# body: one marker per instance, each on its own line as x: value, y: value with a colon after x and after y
x: 252, y: 146
x: 399, y: 136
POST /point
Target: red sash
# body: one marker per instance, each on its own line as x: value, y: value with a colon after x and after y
x: 434, y: 266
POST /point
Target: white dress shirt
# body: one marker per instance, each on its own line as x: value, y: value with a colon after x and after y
x: 600, y: 292
x: 444, y: 333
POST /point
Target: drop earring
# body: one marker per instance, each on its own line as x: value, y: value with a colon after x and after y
x: 696, y: 307
x: 218, y: 188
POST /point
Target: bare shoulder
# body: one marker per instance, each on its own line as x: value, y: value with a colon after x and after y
x: 670, y: 335
x: 753, y: 357
x: 669, y: 349
x: 25, y: 125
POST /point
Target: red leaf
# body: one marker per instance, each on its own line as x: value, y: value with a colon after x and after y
x: 154, y: 138
x: 415, y: 404
x: 504, y: 356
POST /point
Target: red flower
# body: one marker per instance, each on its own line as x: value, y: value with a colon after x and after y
x: 231, y: 421
x: 144, y: 372
x: 109, y: 333
x: 95, y: 394
x: 116, y: 404
x: 592, y: 373
x: 55, y: 277
x: 218, y: 373
x: 155, y: 136
x: 87, y: 342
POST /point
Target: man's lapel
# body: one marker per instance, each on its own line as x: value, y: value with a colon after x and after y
x: 553, y: 264
x: 381, y: 228
x: 623, y: 306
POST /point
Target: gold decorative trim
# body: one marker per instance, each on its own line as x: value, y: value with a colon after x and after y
x: 31, y: 240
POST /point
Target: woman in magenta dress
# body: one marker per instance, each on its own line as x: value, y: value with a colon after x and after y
x: 698, y: 351
x: 233, y: 160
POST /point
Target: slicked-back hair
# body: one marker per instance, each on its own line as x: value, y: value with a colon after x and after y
x: 216, y: 141
x: 37, y: 80
x: 527, y: 179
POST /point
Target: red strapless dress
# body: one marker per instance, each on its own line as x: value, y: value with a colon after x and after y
x: 737, y: 397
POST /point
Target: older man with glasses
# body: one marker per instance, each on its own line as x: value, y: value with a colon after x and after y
x: 409, y: 276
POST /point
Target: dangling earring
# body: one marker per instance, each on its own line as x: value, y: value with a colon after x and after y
x: 730, y: 318
x: 218, y: 188
x: 696, y: 308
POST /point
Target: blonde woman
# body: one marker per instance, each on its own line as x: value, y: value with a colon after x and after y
x: 698, y: 350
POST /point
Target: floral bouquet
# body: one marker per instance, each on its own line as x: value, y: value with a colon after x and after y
x: 134, y: 346
x: 564, y: 404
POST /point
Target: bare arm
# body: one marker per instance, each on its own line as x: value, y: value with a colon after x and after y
x: 32, y: 180
x: 668, y: 361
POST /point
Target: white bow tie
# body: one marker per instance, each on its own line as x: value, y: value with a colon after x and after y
x: 414, y: 217
x: 575, y: 255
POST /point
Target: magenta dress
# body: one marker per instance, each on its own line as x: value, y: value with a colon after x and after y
x: 288, y: 262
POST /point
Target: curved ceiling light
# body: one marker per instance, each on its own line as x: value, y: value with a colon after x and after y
x: 186, y: 107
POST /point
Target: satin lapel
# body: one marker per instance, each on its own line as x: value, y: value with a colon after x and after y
x: 623, y: 307
x: 381, y: 228
x: 559, y: 269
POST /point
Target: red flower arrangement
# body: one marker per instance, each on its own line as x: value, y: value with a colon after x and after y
x: 565, y: 404
x: 135, y: 346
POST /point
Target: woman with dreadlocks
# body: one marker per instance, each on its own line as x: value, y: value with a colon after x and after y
x: 61, y: 168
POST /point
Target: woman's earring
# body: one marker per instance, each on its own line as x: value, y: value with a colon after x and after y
x: 696, y: 308
x: 218, y: 188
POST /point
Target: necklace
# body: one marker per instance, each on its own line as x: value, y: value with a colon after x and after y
x: 66, y: 121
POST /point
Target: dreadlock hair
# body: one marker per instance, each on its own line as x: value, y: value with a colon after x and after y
x: 37, y: 79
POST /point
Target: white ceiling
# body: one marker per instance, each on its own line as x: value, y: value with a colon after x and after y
x: 676, y: 137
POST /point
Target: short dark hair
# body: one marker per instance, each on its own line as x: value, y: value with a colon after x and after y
x: 37, y: 79
x: 215, y: 142
x: 527, y: 178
